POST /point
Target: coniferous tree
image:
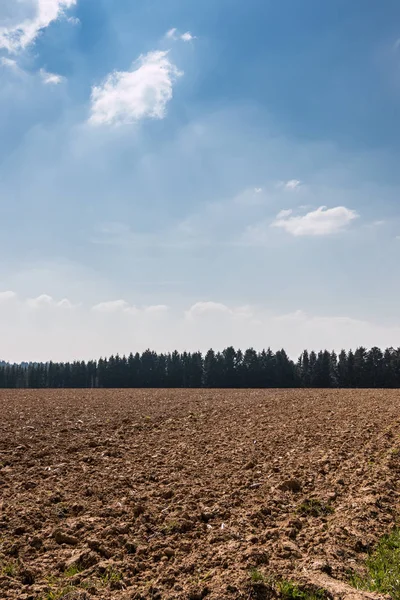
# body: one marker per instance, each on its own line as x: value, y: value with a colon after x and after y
x: 196, y: 370
x: 251, y: 369
x: 360, y: 374
x: 322, y: 373
x: 334, y: 370
x: 210, y: 370
x: 374, y: 368
x: 175, y: 370
x: 268, y: 366
x: 342, y: 370
x: 304, y: 369
x: 312, y: 368
x: 230, y: 373
x: 226, y: 369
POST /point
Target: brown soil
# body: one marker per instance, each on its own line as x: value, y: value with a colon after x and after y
x: 182, y: 494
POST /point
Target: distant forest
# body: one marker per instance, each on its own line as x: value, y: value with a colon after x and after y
x: 227, y: 369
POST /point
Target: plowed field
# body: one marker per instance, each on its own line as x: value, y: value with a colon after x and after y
x: 192, y: 494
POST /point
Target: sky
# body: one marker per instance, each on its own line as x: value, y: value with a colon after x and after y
x: 181, y: 174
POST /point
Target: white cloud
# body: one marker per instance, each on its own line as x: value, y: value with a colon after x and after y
x: 43, y: 329
x: 47, y: 78
x: 258, y: 190
x: 9, y: 63
x: 156, y: 309
x: 322, y: 221
x: 201, y: 309
x: 292, y: 184
x: 110, y: 307
x: 284, y: 213
x: 187, y: 37
x: 45, y: 301
x: 121, y: 306
x: 12, y: 66
x: 8, y: 295
x: 65, y: 303
x: 173, y: 34
x: 27, y: 19
x: 50, y: 78
x: 73, y: 20
x: 125, y: 97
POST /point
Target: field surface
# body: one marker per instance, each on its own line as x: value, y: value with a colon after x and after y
x: 177, y: 494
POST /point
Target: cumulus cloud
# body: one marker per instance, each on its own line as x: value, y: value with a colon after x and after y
x: 27, y: 19
x: 44, y: 301
x: 50, y: 78
x: 200, y: 309
x: 45, y: 329
x: 187, y: 37
x: 8, y: 295
x: 319, y: 222
x: 173, y: 34
x: 111, y: 306
x: 126, y: 97
x: 156, y: 309
x: 117, y: 306
x: 292, y: 184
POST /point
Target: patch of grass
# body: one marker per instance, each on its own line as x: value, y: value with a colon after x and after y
x: 60, y: 594
x: 314, y: 508
x: 73, y: 570
x: 10, y: 569
x: 170, y: 527
x: 290, y: 591
x: 383, y: 568
x: 111, y: 577
x: 51, y: 579
x: 256, y: 576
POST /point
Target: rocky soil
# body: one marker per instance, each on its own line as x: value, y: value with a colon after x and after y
x: 177, y: 494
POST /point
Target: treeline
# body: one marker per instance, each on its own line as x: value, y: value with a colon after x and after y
x: 228, y: 369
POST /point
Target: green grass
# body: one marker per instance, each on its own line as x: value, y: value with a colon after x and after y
x: 59, y: 594
x: 170, y: 527
x: 290, y: 591
x: 10, y: 569
x: 73, y: 570
x: 383, y: 568
x: 314, y: 508
x: 110, y: 576
x: 256, y: 576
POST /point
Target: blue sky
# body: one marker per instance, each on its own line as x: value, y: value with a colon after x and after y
x: 186, y: 174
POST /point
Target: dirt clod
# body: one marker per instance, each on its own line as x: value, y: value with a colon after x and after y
x: 64, y: 538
